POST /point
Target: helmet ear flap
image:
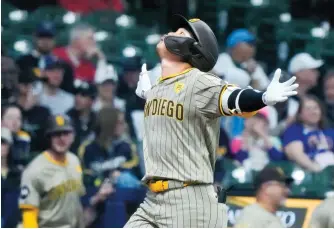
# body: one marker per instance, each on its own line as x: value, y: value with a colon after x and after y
x: 201, y: 58
x: 180, y: 46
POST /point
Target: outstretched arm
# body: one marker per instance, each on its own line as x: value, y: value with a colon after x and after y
x: 237, y: 101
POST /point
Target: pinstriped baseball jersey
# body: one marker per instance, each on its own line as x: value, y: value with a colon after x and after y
x: 182, y: 126
x: 55, y: 189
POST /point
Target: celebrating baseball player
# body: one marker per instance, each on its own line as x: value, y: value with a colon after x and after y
x: 182, y: 128
x: 51, y: 185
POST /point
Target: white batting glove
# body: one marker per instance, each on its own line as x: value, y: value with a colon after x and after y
x: 144, y: 83
x: 279, y: 92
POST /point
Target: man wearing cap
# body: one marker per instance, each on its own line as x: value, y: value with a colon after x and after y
x: 34, y: 116
x: 45, y: 42
x: 82, y: 114
x: 106, y: 80
x: 272, y: 189
x: 51, y: 185
x: 51, y: 96
x: 305, y: 68
x: 237, y: 65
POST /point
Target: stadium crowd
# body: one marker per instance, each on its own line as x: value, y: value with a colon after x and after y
x: 76, y: 80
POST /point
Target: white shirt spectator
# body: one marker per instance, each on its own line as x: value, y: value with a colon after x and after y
x: 59, y: 103
x: 118, y: 103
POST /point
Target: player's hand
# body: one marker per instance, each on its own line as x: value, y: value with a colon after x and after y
x: 279, y: 92
x: 144, y: 83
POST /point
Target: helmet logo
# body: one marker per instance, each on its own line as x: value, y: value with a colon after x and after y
x: 178, y: 87
x: 280, y: 171
x: 194, y: 20
x: 60, y: 120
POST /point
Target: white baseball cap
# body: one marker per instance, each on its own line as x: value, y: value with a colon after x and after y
x: 302, y: 61
x: 6, y: 135
x: 105, y: 72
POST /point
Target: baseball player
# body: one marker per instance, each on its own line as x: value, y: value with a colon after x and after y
x: 51, y: 185
x: 182, y: 128
x: 272, y: 189
x: 323, y: 215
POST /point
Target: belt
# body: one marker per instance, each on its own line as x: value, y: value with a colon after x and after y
x: 165, y: 185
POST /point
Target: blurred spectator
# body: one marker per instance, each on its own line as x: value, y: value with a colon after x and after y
x: 237, y: 65
x: 10, y: 177
x: 308, y: 142
x: 127, y: 87
x: 255, y: 148
x: 329, y: 96
x: 36, y: 60
x: 110, y: 154
x: 272, y: 189
x: 305, y: 68
x: 9, y: 80
x: 11, y: 118
x: 34, y: 116
x: 52, y: 97
x: 82, y: 116
x: 106, y: 80
x: 80, y: 51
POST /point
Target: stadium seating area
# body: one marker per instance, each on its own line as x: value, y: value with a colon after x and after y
x: 269, y: 19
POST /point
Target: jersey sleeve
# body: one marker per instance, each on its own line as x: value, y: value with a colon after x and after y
x: 30, y: 191
x: 208, y: 90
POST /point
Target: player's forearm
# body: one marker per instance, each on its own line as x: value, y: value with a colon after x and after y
x: 246, y: 100
x: 303, y: 160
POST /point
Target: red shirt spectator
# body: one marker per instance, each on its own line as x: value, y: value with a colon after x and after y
x: 83, y: 69
x: 78, y: 53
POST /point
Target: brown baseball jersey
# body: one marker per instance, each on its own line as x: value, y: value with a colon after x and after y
x: 182, y: 126
x: 55, y: 189
x: 323, y: 215
x: 255, y: 216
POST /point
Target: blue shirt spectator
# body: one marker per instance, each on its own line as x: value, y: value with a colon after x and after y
x: 308, y: 142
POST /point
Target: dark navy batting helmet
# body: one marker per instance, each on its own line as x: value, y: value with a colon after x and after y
x: 201, y: 51
x: 59, y: 123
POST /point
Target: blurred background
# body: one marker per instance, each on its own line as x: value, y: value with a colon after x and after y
x: 79, y: 57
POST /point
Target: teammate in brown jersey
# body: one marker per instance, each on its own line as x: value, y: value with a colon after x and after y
x: 51, y: 185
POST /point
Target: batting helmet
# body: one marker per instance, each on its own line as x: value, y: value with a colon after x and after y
x: 59, y: 123
x: 201, y: 51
